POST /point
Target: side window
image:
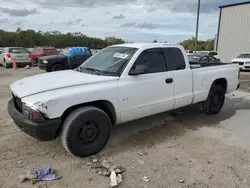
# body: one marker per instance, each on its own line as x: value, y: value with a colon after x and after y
x: 174, y: 58
x: 204, y: 58
x: 153, y: 59
x: 211, y: 59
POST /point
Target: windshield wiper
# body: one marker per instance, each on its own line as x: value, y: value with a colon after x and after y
x: 94, y: 70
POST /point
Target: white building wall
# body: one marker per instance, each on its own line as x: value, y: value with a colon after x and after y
x: 234, y: 31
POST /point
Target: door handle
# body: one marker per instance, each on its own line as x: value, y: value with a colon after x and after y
x: 169, y: 80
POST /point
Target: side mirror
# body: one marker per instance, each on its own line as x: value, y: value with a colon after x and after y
x: 139, y: 69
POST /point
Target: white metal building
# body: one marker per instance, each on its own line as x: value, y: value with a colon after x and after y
x: 233, y: 36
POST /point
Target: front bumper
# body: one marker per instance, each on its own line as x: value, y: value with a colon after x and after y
x: 43, y: 66
x: 245, y: 67
x: 45, y: 131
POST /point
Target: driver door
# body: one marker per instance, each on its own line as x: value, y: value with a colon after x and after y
x: 149, y: 93
x: 76, y: 60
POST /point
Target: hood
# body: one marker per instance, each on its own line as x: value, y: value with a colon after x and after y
x: 240, y: 59
x: 52, y: 57
x: 55, y: 80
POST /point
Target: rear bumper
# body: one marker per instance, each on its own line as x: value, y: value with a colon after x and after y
x: 45, y: 131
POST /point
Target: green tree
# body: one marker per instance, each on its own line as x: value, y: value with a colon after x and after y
x: 207, y: 45
x: 31, y: 38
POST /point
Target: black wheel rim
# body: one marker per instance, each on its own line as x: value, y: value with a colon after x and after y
x: 217, y: 102
x: 88, y: 132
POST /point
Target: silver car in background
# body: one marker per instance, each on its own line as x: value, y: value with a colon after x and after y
x: 20, y: 54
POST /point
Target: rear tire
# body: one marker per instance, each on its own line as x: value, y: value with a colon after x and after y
x: 86, y: 131
x: 57, y: 67
x: 6, y: 64
x: 215, y: 100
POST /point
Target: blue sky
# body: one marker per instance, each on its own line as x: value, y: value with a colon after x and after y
x: 132, y: 20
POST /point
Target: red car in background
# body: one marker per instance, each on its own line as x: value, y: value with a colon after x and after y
x: 41, y: 51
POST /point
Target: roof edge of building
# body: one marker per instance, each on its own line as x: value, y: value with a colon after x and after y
x: 234, y: 4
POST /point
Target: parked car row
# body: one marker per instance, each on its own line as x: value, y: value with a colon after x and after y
x: 46, y: 57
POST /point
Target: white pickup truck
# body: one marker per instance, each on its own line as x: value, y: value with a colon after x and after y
x: 118, y: 84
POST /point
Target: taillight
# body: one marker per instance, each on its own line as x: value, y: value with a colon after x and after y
x: 8, y: 55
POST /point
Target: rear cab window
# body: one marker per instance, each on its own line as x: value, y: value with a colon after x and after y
x: 153, y: 58
x: 18, y: 50
x: 36, y: 51
x: 174, y: 58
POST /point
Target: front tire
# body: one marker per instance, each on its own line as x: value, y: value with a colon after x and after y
x: 215, y: 100
x: 57, y: 67
x: 86, y: 131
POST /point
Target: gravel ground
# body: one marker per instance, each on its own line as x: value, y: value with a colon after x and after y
x: 183, y: 148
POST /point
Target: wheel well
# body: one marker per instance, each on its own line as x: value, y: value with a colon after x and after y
x: 104, y: 105
x: 221, y: 82
x: 58, y: 63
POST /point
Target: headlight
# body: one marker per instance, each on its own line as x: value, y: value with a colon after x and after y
x: 248, y: 62
x: 45, y: 61
x: 32, y: 114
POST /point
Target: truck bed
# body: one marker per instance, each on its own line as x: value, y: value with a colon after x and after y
x: 200, y: 65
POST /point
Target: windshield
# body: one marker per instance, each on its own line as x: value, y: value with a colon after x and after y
x: 18, y: 50
x: 202, y: 53
x: 193, y: 58
x: 110, y: 61
x: 50, y: 51
x: 65, y: 51
x: 245, y: 55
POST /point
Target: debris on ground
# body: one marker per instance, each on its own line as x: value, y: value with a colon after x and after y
x: 209, y: 162
x: 42, y: 185
x: 141, y: 162
x: 20, y: 162
x: 181, y: 181
x: 107, y: 169
x: 235, y: 173
x: 142, y: 153
x: 107, y: 164
x: 175, y: 145
x: 146, y: 179
x: 39, y: 175
x: 115, y: 179
x: 27, y: 67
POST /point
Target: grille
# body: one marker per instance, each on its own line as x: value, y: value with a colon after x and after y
x: 240, y: 63
x: 17, y: 103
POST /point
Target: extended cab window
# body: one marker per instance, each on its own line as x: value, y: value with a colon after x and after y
x: 153, y: 59
x: 174, y: 58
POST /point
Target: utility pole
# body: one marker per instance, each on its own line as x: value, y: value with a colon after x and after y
x: 197, y: 26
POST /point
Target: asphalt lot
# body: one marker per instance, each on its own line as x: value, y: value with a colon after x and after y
x: 202, y: 150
